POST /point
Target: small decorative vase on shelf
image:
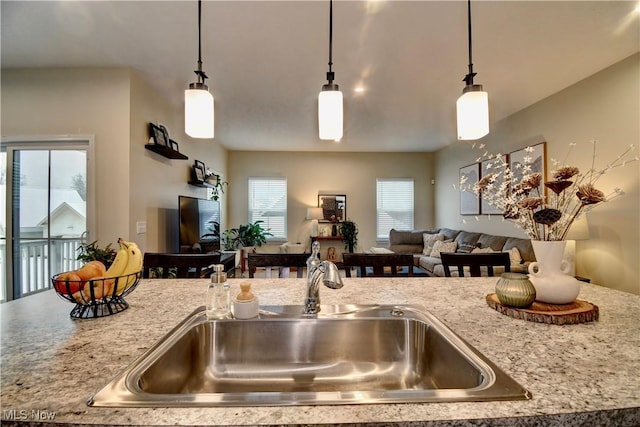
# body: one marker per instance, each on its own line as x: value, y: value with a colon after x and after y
x: 515, y: 290
x: 549, y: 273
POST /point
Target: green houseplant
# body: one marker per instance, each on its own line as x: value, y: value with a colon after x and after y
x: 216, y: 183
x: 349, y: 233
x: 246, y: 235
x: 93, y: 252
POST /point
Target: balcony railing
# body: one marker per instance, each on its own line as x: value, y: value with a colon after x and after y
x: 39, y: 260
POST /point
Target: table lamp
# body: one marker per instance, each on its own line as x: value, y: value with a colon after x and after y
x: 314, y: 214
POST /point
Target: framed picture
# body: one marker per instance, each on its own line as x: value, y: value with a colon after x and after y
x: 198, y: 171
x: 529, y: 160
x: 469, y: 201
x: 498, y: 166
x: 158, y: 135
x: 334, y: 207
x: 174, y: 145
x: 164, y: 130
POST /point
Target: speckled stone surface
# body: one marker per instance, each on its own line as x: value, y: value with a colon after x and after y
x: 585, y: 374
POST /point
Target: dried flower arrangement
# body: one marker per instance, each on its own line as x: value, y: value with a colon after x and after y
x: 572, y: 193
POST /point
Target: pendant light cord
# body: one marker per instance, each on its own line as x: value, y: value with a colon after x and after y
x: 330, y: 74
x: 201, y: 74
x: 200, y: 34
x: 469, y: 77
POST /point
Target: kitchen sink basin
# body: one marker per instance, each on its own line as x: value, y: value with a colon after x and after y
x: 348, y: 354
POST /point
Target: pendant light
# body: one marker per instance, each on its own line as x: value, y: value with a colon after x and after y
x: 198, y: 102
x: 473, y: 106
x: 330, y: 98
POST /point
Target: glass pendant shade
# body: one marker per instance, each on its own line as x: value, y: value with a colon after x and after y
x: 330, y: 114
x: 473, y: 114
x: 198, y: 113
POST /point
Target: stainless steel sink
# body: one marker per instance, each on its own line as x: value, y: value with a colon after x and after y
x: 348, y: 354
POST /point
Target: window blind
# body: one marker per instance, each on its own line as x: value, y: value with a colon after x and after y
x: 268, y: 203
x: 394, y: 205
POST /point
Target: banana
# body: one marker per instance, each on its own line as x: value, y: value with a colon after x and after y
x: 134, y: 264
x: 119, y: 263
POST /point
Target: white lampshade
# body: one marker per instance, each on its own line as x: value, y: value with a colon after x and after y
x: 198, y: 113
x: 314, y: 213
x: 330, y: 114
x: 473, y: 114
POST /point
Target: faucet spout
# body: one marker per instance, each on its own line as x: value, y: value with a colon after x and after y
x: 319, y: 271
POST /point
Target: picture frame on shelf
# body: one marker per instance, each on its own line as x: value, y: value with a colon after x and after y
x: 487, y: 167
x: 334, y: 207
x: 469, y: 201
x: 158, y: 135
x: 534, y: 156
x: 198, y: 172
x: 164, y: 130
x: 173, y: 145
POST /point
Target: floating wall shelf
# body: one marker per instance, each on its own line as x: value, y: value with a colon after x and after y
x: 201, y: 184
x: 165, y: 151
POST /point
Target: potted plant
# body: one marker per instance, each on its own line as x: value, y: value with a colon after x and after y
x: 349, y: 233
x: 216, y: 182
x: 246, y: 235
x: 93, y: 252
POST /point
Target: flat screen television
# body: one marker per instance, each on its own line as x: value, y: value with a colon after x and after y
x: 199, y: 224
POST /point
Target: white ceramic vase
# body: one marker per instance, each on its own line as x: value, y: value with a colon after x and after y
x: 549, y: 273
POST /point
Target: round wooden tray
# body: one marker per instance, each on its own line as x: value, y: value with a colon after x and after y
x: 577, y: 311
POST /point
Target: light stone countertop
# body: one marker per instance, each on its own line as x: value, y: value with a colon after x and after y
x: 586, y: 374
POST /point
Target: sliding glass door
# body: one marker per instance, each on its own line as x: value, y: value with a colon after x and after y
x: 44, y: 215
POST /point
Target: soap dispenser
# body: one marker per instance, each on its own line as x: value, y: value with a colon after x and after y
x: 218, y: 304
x: 245, y: 305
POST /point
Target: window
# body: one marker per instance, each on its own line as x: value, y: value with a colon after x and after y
x: 394, y: 205
x: 268, y: 203
x: 46, y: 184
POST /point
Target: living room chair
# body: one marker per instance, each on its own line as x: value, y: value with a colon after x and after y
x: 186, y: 265
x: 282, y: 261
x: 378, y: 265
x: 474, y: 262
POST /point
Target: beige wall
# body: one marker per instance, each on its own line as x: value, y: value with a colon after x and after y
x: 156, y: 180
x: 309, y: 174
x: 606, y: 107
x: 115, y: 106
x: 78, y: 102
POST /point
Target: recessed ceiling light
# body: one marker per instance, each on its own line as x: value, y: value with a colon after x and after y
x: 359, y: 89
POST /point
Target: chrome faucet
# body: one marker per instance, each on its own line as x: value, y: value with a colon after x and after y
x: 316, y: 271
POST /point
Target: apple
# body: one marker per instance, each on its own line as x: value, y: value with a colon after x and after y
x: 68, y: 283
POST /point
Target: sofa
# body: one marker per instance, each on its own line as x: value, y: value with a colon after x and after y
x: 426, y: 246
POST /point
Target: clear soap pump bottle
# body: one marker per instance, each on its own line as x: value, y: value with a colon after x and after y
x: 218, y: 304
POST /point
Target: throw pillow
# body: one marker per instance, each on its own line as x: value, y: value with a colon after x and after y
x: 375, y: 250
x: 482, y: 251
x: 428, y: 241
x: 465, y: 248
x: 514, y: 256
x: 443, y: 246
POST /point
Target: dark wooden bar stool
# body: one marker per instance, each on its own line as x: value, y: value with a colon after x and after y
x: 474, y: 262
x: 299, y: 261
x: 186, y: 265
x: 378, y: 265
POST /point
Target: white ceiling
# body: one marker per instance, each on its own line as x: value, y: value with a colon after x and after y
x: 267, y: 60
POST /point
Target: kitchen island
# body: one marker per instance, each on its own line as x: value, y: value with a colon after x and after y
x: 583, y: 374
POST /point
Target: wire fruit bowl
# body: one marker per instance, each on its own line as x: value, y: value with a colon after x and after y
x: 98, y: 297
